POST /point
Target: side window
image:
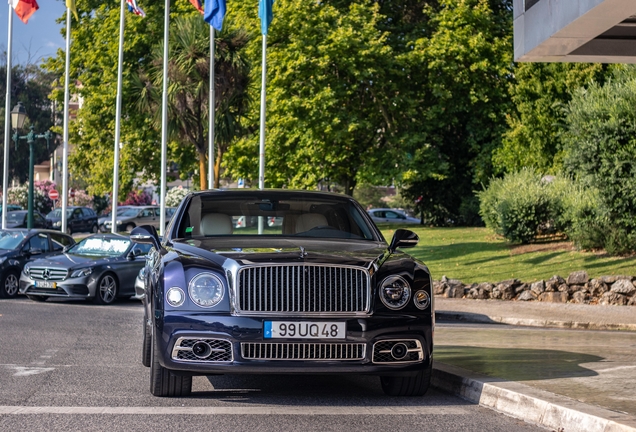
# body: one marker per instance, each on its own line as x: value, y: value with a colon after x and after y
x: 158, y: 212
x: 40, y: 241
x: 38, y: 219
x: 141, y: 249
x: 392, y: 215
x: 146, y: 213
x: 59, y: 241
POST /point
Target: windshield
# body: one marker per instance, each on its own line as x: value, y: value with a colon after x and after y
x: 15, y: 217
x: 57, y: 213
x: 100, y: 246
x: 11, y: 239
x: 274, y: 214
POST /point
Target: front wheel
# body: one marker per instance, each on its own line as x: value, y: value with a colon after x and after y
x: 165, y: 384
x: 69, y: 231
x: 414, y: 385
x: 130, y: 227
x: 9, y: 285
x: 106, y: 290
x: 95, y: 229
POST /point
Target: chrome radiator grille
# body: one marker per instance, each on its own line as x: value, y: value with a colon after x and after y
x: 46, y: 273
x: 303, y: 288
x: 303, y: 351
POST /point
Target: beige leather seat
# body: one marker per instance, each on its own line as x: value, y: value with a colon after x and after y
x: 216, y: 224
x: 307, y: 221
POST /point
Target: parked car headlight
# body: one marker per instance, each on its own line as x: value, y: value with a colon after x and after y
x: 395, y: 292
x: 206, y: 290
x: 175, y: 296
x: 82, y: 272
x: 26, y: 269
x: 57, y: 224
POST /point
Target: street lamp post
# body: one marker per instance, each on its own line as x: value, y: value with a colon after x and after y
x: 18, y: 116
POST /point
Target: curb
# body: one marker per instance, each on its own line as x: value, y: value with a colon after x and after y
x: 532, y: 405
x: 486, y: 319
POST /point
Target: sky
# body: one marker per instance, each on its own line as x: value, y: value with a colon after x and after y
x: 38, y: 39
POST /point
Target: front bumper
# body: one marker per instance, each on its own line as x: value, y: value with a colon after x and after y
x: 243, y: 336
x: 77, y: 288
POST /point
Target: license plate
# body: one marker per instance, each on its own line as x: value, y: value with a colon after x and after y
x: 304, y: 330
x: 45, y: 284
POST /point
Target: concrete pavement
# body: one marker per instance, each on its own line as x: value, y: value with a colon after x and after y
x: 544, y: 368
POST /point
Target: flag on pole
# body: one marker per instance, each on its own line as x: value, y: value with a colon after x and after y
x: 214, y: 13
x: 70, y: 4
x: 24, y: 8
x: 197, y: 5
x: 134, y: 8
x: 265, y: 14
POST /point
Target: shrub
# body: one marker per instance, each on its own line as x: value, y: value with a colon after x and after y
x: 175, y: 195
x: 20, y: 196
x: 137, y: 198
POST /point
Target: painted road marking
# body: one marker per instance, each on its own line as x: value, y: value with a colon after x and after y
x: 28, y: 371
x: 265, y: 410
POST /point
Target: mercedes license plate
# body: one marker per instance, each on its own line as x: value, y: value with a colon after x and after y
x: 304, y: 330
x: 45, y: 284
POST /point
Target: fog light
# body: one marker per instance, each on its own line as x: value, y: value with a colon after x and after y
x: 201, y: 349
x: 399, y: 351
x: 175, y: 296
x: 421, y: 299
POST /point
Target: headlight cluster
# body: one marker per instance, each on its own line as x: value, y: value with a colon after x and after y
x: 26, y: 269
x: 205, y: 290
x: 82, y: 272
x: 57, y: 224
x: 395, y: 293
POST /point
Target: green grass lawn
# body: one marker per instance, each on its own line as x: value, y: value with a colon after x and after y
x: 478, y: 255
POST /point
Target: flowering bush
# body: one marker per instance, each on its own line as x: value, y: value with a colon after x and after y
x: 138, y: 198
x: 81, y: 198
x: 45, y: 186
x: 20, y: 196
x: 175, y: 195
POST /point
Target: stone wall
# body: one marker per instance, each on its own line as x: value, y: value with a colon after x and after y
x: 577, y: 288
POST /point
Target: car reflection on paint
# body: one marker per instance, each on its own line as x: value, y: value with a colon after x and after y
x: 321, y: 292
x: 101, y: 267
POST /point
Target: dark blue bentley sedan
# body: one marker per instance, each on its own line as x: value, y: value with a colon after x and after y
x: 320, y: 293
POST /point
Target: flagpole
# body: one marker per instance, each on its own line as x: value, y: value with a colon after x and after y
x: 164, y: 119
x: 7, y: 123
x: 120, y: 66
x: 261, y: 168
x: 66, y: 109
x: 211, y: 108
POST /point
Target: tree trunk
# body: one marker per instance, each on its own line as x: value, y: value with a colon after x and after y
x: 203, y: 181
x: 217, y: 166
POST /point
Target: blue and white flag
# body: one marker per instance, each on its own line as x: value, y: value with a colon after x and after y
x: 134, y: 8
x: 265, y: 14
x: 214, y: 13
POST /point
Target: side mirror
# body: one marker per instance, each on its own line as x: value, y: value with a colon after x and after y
x: 35, y: 251
x: 403, y: 238
x: 146, y: 234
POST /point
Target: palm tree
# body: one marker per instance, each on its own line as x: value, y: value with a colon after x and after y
x: 188, y: 87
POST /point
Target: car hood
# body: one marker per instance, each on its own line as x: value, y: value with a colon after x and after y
x: 67, y: 260
x: 301, y: 250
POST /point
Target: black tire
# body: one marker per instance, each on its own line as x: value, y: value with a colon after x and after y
x: 130, y: 227
x: 415, y: 385
x: 36, y: 298
x: 165, y: 384
x: 107, y: 290
x: 69, y: 231
x: 95, y: 229
x: 10, y: 284
x: 146, y: 349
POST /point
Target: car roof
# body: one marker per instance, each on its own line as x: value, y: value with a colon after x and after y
x: 272, y: 192
x: 37, y: 230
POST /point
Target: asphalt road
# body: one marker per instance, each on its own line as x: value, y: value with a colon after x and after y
x: 74, y: 366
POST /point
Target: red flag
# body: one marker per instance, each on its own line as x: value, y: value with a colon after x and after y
x: 24, y: 8
x: 197, y: 4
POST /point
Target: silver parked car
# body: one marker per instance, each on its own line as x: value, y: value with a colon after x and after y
x: 101, y: 267
x: 384, y: 215
x: 137, y: 216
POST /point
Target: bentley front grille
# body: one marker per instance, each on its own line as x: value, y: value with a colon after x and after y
x: 303, y: 351
x: 304, y: 288
x: 46, y: 273
x: 398, y: 351
x: 202, y: 350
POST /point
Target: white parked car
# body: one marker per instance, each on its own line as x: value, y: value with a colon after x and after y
x: 383, y: 215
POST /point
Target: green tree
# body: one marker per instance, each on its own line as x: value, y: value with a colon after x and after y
x: 540, y: 93
x: 31, y: 86
x: 460, y: 72
x: 189, y: 75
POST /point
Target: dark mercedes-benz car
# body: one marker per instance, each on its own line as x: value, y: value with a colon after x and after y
x: 320, y: 293
x: 101, y: 267
x: 20, y: 246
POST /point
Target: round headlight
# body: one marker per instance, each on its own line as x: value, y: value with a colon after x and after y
x: 395, y: 292
x: 206, y: 290
x: 175, y: 296
x: 421, y: 299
